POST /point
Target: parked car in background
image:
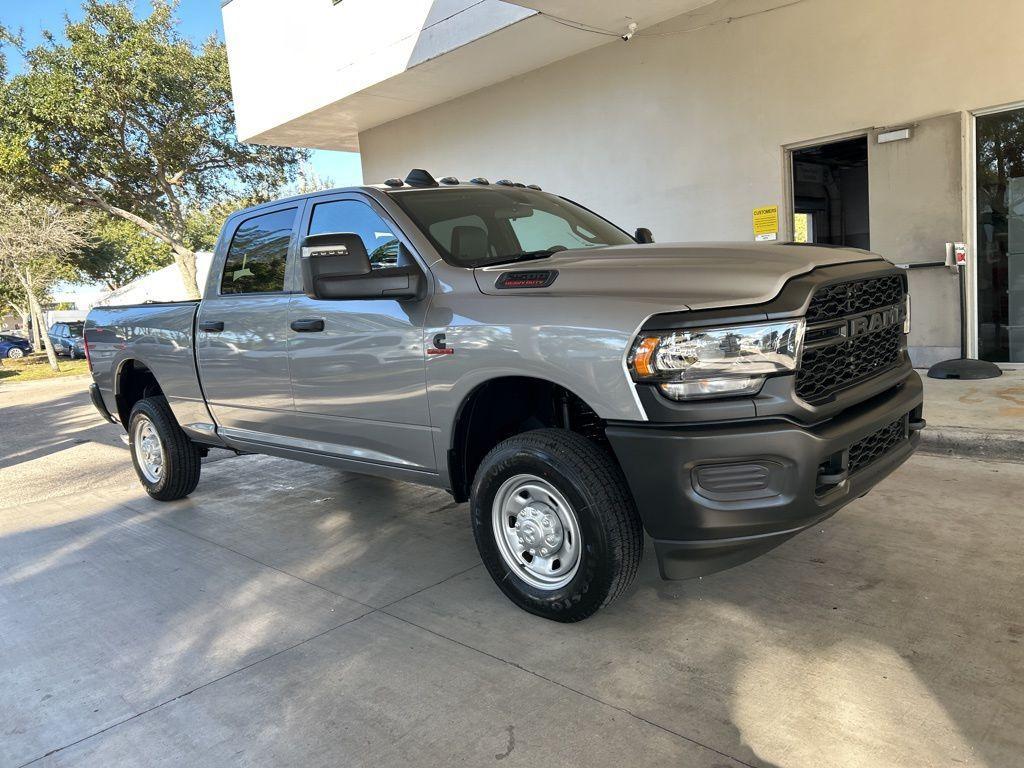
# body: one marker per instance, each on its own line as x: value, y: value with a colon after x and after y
x: 67, y: 339
x: 13, y: 347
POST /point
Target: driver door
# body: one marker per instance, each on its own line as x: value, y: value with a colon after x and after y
x: 358, y: 377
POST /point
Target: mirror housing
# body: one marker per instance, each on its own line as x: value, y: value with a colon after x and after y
x: 643, y: 235
x: 335, y: 266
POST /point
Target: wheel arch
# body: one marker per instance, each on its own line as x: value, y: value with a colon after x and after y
x: 507, y: 405
x: 133, y: 380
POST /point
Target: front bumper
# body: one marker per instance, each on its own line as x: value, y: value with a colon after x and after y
x: 715, y: 496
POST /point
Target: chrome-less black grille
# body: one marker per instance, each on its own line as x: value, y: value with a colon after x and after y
x: 855, y: 297
x: 850, y: 336
x: 877, y: 444
x: 826, y: 370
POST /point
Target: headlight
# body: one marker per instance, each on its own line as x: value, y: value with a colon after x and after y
x: 716, y: 362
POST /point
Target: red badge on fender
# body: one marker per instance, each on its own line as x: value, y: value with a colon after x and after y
x: 440, y: 346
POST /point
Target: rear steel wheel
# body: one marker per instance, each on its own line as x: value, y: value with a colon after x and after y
x: 149, y: 451
x: 166, y: 460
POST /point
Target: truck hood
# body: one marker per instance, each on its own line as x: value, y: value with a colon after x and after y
x: 686, y: 275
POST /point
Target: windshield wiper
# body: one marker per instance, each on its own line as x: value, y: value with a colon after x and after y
x: 524, y: 256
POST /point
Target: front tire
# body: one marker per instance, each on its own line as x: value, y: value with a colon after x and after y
x: 555, y: 524
x: 166, y: 461
x: 15, y: 353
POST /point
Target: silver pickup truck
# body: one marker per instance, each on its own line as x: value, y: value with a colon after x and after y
x: 576, y: 384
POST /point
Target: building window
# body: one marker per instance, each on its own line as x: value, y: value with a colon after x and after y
x: 1000, y: 236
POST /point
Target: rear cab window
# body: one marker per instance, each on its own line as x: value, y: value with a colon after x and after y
x: 258, y: 255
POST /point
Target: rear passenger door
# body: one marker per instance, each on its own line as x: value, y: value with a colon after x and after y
x: 242, y: 327
x: 359, y: 382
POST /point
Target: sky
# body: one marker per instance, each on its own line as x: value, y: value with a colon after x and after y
x: 199, y: 19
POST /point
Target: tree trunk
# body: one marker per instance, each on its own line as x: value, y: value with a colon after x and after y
x: 38, y: 312
x: 23, y: 313
x: 186, y: 261
x: 38, y: 331
x: 37, y: 344
x: 184, y: 257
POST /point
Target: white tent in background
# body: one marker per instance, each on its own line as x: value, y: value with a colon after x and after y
x: 162, y: 285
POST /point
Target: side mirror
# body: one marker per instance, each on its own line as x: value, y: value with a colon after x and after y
x: 336, y: 266
x: 643, y: 235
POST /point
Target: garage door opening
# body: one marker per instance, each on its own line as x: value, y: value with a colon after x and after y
x: 830, y: 193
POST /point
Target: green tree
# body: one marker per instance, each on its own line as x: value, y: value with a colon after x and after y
x: 13, y: 299
x: 37, y: 241
x: 128, y: 118
x: 119, y: 252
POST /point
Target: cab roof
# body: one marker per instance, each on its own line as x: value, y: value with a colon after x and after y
x: 417, y: 179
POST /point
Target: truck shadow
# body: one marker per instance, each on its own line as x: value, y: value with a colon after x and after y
x: 69, y: 420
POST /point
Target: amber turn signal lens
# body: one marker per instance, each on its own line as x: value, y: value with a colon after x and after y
x: 642, y: 355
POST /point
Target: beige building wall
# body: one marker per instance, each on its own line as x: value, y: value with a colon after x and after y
x: 684, y: 133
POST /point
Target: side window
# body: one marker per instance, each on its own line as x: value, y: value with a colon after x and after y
x: 384, y: 249
x: 258, y: 254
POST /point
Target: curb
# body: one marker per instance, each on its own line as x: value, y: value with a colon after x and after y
x: 967, y: 443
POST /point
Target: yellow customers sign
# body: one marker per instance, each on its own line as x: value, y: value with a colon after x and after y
x: 766, y: 222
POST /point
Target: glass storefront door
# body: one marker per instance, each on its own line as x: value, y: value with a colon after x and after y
x: 1000, y: 237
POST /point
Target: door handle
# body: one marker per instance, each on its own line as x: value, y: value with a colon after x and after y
x: 212, y: 327
x: 310, y: 325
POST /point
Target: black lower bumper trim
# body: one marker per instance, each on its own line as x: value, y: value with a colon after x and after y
x: 97, y: 401
x: 697, y: 532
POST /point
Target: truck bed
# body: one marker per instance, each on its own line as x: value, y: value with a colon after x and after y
x: 158, y: 336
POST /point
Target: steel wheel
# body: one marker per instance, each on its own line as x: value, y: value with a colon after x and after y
x: 15, y: 353
x: 537, y: 532
x: 149, y: 451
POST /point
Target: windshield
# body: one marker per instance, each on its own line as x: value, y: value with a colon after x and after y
x: 491, y: 225
x: 75, y: 329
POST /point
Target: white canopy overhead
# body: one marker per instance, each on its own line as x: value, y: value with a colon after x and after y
x: 362, y: 63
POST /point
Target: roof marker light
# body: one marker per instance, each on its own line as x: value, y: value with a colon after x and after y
x: 479, y: 180
x: 420, y: 178
x: 449, y: 180
x: 395, y: 183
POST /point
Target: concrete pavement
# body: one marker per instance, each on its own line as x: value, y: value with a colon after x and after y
x: 53, y: 443
x: 290, y: 614
x: 981, y: 419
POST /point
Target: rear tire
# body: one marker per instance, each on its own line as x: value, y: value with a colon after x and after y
x: 165, y: 459
x: 14, y: 353
x: 555, y: 489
